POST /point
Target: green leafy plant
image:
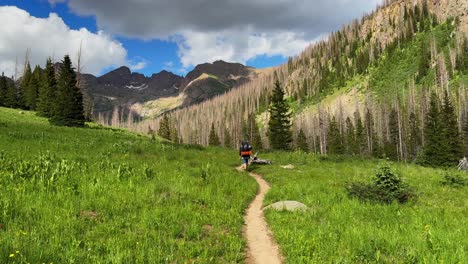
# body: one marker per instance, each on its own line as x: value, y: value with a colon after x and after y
x: 386, y: 188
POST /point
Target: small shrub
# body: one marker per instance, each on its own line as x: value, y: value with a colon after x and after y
x: 386, y: 188
x: 455, y: 180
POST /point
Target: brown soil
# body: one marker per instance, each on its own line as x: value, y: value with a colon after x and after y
x: 262, y: 247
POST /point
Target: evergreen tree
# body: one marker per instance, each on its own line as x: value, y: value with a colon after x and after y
x: 414, y: 137
x: 301, y: 143
x: 68, y: 110
x: 279, y: 130
x: 433, y: 134
x: 351, y: 144
x: 227, y: 138
x: 335, y: 142
x: 213, y: 139
x: 3, y: 90
x: 165, y: 128
x: 46, y: 97
x: 450, y: 134
x: 33, y: 88
x: 174, y: 135
x: 391, y: 148
x: 26, y: 85
x: 12, y: 96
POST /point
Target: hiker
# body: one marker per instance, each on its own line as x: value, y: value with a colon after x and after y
x: 245, y: 151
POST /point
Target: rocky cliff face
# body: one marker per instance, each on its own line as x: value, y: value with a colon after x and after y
x: 122, y: 88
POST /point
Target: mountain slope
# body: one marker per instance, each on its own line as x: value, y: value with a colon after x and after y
x: 360, y: 62
x: 144, y: 96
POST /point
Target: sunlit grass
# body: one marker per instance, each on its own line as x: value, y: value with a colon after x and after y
x: 97, y: 195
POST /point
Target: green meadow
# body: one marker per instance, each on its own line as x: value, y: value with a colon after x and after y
x: 341, y: 229
x: 100, y: 195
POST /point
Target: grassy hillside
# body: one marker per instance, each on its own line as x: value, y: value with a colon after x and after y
x: 340, y: 229
x: 99, y: 195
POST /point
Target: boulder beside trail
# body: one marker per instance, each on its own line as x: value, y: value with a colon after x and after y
x: 287, y: 206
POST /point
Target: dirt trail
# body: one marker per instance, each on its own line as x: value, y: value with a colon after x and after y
x: 262, y: 247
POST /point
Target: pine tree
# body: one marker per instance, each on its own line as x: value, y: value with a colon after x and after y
x: 391, y: 148
x: 174, y: 135
x: 227, y: 138
x: 12, y: 98
x: 165, y: 128
x: 414, y: 137
x: 335, y: 142
x: 279, y: 130
x: 350, y: 139
x: 213, y: 138
x: 3, y: 90
x: 450, y: 134
x: 433, y: 134
x: 25, y: 85
x: 302, y: 141
x: 68, y: 110
x: 33, y: 88
x: 46, y: 97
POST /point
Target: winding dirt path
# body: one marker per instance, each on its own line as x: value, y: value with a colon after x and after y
x: 262, y: 248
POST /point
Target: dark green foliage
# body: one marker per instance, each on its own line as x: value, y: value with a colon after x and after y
x: 452, y: 144
x: 33, y: 88
x: 433, y: 135
x: 227, y: 138
x: 425, y: 61
x: 26, y: 86
x: 456, y: 180
x: 3, y: 90
x: 414, y: 137
x: 352, y: 147
x: 335, y: 141
x: 213, y: 139
x: 279, y: 125
x: 175, y: 135
x: 386, y: 188
x: 301, y: 143
x: 13, y: 97
x: 68, y: 109
x: 46, y: 97
x: 391, y: 149
x: 165, y: 128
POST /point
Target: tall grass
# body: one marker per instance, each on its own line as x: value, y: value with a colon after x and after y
x: 340, y: 229
x: 99, y: 195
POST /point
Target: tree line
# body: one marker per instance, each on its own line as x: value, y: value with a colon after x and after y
x: 51, y: 94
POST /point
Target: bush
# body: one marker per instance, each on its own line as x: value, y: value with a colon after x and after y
x: 386, y: 188
x: 455, y: 180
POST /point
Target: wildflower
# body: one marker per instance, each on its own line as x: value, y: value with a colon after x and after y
x: 17, y: 252
x: 12, y: 255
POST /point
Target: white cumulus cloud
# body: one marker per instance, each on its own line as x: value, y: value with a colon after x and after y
x: 51, y: 37
x: 232, y: 30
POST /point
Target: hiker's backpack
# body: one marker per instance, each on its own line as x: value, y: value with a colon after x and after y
x: 246, y: 150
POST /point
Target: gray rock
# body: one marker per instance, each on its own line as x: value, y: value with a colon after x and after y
x: 287, y: 206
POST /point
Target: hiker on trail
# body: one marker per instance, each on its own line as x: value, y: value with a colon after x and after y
x: 245, y: 151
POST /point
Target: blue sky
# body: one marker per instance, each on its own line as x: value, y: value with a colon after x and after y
x: 150, y: 36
